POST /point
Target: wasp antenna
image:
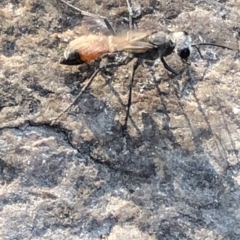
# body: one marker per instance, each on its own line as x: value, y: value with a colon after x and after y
x: 193, y: 45
x: 215, y: 45
x: 85, y: 13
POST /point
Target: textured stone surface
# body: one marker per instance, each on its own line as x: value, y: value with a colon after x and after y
x: 175, y: 175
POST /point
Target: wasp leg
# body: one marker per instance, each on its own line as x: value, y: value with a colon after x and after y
x: 109, y: 26
x: 84, y: 13
x: 130, y: 14
x: 199, y: 52
x: 168, y: 67
x: 78, y: 96
x: 135, y: 66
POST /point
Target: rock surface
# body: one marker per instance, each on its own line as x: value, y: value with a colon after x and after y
x: 176, y: 173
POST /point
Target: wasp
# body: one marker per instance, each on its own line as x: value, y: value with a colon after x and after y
x: 148, y: 45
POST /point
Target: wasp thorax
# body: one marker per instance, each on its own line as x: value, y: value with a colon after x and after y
x: 162, y: 42
x: 183, y: 44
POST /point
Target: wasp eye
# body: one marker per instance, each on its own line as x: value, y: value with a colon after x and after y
x: 184, y: 53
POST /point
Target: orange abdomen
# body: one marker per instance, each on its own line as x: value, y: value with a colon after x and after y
x: 90, y: 47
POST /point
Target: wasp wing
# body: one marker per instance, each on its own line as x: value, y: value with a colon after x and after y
x: 133, y: 41
x: 85, y: 48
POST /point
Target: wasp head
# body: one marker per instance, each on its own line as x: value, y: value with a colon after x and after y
x: 183, y: 44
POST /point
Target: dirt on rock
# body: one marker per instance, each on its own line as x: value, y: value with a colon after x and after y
x: 176, y: 172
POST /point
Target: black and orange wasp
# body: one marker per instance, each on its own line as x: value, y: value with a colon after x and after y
x: 149, y: 45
